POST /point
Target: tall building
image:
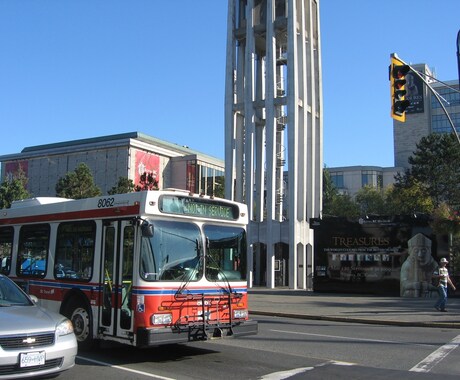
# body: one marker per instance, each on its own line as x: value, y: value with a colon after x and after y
x: 425, y: 115
x: 125, y: 155
x: 273, y: 132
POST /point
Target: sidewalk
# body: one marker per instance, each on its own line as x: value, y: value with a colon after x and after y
x: 353, y: 308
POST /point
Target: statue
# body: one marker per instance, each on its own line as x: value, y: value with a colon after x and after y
x: 417, y: 270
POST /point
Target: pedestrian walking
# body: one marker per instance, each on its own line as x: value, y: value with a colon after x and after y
x: 443, y: 280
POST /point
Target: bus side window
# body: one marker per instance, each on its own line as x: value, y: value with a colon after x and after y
x: 33, y: 250
x: 6, y: 248
x: 75, y: 245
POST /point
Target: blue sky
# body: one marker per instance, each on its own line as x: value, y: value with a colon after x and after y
x: 73, y: 69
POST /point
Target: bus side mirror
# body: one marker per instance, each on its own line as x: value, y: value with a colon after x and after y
x: 147, y: 229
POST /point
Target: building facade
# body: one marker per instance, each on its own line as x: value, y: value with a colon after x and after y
x: 350, y: 179
x: 126, y: 155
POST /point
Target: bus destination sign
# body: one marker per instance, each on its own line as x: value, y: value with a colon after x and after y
x: 205, y: 208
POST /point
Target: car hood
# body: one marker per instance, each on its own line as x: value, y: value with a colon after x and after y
x: 24, y: 319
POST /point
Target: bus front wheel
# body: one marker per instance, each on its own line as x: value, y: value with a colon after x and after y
x: 81, y: 320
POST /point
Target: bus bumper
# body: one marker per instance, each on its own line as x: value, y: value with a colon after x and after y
x: 155, y: 337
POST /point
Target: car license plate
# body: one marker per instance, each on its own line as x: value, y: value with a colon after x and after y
x: 31, y: 359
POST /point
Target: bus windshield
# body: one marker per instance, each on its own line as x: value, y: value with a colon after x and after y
x: 173, y: 253
x: 225, y: 253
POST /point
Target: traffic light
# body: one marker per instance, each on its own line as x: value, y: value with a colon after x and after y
x: 399, y: 103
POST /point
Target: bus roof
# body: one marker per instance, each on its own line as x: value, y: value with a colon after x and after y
x: 37, y: 201
x: 46, y: 209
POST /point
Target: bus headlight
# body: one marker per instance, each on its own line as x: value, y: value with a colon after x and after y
x: 161, y: 319
x: 240, y: 314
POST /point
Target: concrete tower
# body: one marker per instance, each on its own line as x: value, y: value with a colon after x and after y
x: 273, y: 133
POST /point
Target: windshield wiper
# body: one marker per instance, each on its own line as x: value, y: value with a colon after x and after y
x: 192, y: 271
x: 227, y: 289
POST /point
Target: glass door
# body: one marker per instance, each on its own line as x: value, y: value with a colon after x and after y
x: 116, y: 314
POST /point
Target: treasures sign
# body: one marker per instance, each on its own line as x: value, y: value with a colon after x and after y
x: 365, y: 256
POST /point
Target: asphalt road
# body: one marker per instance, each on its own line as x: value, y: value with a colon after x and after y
x: 288, y: 348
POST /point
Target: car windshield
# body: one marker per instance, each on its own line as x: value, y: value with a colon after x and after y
x: 11, y: 295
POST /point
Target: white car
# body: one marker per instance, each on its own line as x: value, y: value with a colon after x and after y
x: 33, y: 340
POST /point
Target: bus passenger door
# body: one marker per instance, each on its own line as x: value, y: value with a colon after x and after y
x: 116, y: 316
x: 125, y: 314
x: 108, y: 270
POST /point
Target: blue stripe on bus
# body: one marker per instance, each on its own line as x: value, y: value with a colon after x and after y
x: 136, y: 291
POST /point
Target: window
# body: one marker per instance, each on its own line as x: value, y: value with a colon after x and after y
x: 380, y: 181
x: 225, y: 253
x: 128, y: 252
x: 173, y: 253
x: 109, y: 256
x: 440, y: 123
x: 337, y: 180
x: 206, y: 179
x: 366, y: 178
x: 372, y: 178
x: 191, y: 176
x: 451, y: 98
x: 127, y: 278
x: 6, y: 249
x: 75, y: 251
x: 33, y: 250
x: 219, y: 184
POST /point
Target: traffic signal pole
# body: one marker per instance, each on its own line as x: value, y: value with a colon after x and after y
x: 458, y: 55
x: 394, y: 56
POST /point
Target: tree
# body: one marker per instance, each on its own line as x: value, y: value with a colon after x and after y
x: 435, y: 165
x: 334, y: 203
x: 342, y: 205
x: 219, y: 187
x: 147, y: 182
x: 446, y: 221
x: 371, y: 200
x: 408, y: 196
x: 78, y: 184
x: 124, y: 185
x: 14, y: 189
x: 329, y: 192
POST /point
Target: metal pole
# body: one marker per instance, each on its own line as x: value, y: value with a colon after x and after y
x: 458, y: 56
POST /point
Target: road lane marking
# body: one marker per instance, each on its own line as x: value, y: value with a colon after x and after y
x: 427, y: 364
x: 125, y: 368
x: 285, y: 374
x: 280, y: 375
x: 352, y: 338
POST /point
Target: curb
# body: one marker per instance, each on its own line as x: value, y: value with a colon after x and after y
x: 450, y: 325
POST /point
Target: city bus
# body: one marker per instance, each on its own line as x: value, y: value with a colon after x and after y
x: 143, y: 268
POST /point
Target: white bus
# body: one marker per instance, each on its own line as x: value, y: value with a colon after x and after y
x: 143, y: 268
